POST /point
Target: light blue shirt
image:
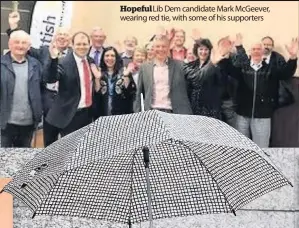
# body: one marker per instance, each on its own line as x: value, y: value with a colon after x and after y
x: 92, y: 54
x: 110, y: 93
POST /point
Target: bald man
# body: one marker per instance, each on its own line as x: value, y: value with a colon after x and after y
x: 20, y: 94
x: 257, y: 92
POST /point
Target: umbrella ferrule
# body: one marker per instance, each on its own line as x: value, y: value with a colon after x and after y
x: 234, y: 212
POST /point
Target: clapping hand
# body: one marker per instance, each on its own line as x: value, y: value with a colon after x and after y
x: 96, y: 71
x: 129, y: 69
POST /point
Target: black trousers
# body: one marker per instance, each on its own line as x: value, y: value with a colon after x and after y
x: 50, y: 135
x: 17, y: 136
x: 82, y: 118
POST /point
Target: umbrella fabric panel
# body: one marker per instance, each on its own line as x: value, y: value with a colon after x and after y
x: 205, y: 130
x: 180, y: 185
x: 99, y: 190
x: 242, y: 175
x: 33, y: 183
x: 109, y: 136
x: 109, y: 190
x: 35, y: 191
x: 210, y: 131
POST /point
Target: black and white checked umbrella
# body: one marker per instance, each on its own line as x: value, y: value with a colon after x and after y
x: 197, y: 165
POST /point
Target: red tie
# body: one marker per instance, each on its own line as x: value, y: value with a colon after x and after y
x: 87, y: 83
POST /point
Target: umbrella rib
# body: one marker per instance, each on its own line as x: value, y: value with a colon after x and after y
x: 131, y: 193
x: 231, y: 208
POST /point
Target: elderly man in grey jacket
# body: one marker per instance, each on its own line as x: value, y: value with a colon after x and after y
x: 20, y: 94
x: 162, y: 82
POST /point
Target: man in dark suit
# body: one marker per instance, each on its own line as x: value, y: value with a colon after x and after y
x: 271, y: 56
x: 162, y: 82
x: 98, y: 38
x: 50, y: 90
x: 78, y: 81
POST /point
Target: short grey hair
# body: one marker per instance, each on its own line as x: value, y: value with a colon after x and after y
x: 20, y: 34
x: 131, y: 37
x: 161, y: 38
x: 95, y: 29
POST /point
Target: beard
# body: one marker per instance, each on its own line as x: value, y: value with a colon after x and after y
x: 267, y: 51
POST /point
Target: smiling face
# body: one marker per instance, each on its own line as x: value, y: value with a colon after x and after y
x: 179, y: 38
x: 110, y: 59
x: 81, y: 45
x: 139, y: 57
x: 256, y: 52
x: 19, y: 43
x: 190, y: 56
x: 203, y: 53
x: 98, y: 38
x: 130, y: 43
x: 268, y: 46
x: 161, y: 48
x: 62, y: 38
x: 150, y: 52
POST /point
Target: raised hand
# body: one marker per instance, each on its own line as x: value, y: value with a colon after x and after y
x: 161, y: 31
x: 96, y: 71
x: 218, y: 54
x: 293, y: 48
x: 171, y: 33
x: 195, y: 34
x: 13, y: 19
x: 118, y: 46
x: 226, y: 45
x: 239, y: 39
x: 54, y: 52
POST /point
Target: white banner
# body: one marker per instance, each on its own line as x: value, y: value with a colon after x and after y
x: 47, y: 16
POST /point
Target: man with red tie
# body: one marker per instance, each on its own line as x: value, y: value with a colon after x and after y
x: 77, y: 75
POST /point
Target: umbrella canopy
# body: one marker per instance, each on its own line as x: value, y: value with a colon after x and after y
x: 198, y: 165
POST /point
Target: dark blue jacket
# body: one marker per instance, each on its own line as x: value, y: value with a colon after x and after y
x: 7, y: 88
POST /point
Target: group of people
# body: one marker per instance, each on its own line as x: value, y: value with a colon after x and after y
x: 78, y: 79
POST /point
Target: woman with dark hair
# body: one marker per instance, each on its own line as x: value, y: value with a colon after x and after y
x: 117, y: 87
x: 205, y: 84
